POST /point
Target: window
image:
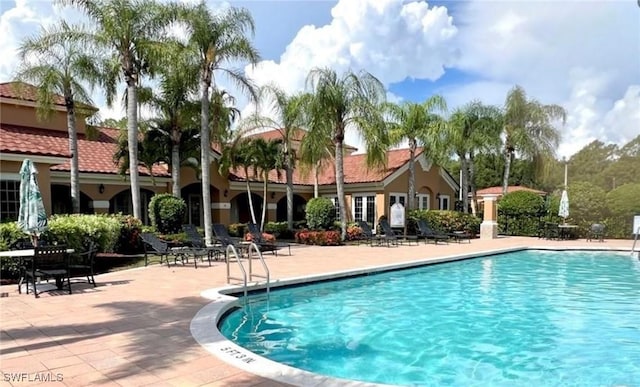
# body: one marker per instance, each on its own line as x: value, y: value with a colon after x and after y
x: 364, y: 208
x: 444, y: 202
x: 336, y: 204
x: 423, y: 202
x: 9, y: 199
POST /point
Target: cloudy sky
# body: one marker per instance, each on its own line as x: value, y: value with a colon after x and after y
x: 583, y: 55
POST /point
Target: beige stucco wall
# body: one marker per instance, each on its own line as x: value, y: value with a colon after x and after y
x: 427, y: 182
x: 24, y: 116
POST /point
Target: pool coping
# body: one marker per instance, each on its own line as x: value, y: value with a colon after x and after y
x: 204, y: 324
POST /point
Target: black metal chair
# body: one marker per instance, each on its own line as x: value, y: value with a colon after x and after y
x: 82, y: 264
x: 367, y: 234
x: 48, y: 262
x: 596, y: 232
x: 198, y: 244
x: 161, y: 248
x: 393, y: 237
x: 425, y: 231
x: 258, y: 239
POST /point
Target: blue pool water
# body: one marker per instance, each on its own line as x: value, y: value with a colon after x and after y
x: 518, y: 319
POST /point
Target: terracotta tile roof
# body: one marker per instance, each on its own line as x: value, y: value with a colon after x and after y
x: 355, y: 170
x: 297, y: 136
x: 33, y: 141
x: 511, y: 188
x: 96, y: 155
x: 26, y: 92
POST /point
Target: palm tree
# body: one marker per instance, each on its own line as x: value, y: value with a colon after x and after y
x: 267, y: 156
x: 529, y: 130
x: 349, y: 101
x: 472, y: 128
x: 418, y: 124
x: 240, y: 153
x: 131, y: 30
x: 217, y: 39
x: 177, y: 112
x: 59, y: 66
x: 316, y: 152
x: 289, y: 116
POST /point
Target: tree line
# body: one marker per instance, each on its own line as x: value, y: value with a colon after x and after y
x: 132, y: 44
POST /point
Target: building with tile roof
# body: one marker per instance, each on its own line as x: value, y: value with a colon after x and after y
x: 369, y: 193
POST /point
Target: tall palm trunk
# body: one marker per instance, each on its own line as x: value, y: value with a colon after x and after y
x: 289, y: 172
x: 472, y: 184
x: 249, y: 196
x: 464, y: 184
x: 508, y: 158
x: 264, y: 200
x: 175, y: 161
x: 316, y: 185
x: 412, y: 174
x: 205, y: 145
x: 132, y: 138
x: 73, y: 150
x: 339, y: 138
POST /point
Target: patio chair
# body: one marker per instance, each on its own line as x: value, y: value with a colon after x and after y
x: 257, y: 238
x: 82, y: 264
x: 367, y: 234
x: 198, y: 244
x: 49, y: 262
x: 425, y: 231
x: 596, y: 232
x: 393, y: 236
x: 153, y: 244
x: 551, y: 230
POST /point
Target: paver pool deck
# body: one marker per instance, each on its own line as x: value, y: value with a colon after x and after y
x: 133, y: 329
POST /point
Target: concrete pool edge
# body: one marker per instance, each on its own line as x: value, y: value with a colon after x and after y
x: 204, y: 325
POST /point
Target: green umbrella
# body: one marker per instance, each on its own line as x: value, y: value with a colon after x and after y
x: 32, y: 218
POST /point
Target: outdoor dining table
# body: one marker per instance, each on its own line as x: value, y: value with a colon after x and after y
x: 21, y: 256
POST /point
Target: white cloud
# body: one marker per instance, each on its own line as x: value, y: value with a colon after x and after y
x: 582, y: 55
x: 393, y: 40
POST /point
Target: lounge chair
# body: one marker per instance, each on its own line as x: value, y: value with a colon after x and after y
x: 425, y: 231
x: 392, y: 235
x: 257, y: 238
x: 197, y: 242
x: 367, y: 234
x: 161, y: 248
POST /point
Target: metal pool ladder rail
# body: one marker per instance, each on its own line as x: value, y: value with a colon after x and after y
x: 252, y: 247
x: 635, y: 240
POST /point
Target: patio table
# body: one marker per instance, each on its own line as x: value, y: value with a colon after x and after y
x: 21, y: 256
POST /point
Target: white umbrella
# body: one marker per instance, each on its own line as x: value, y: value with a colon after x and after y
x: 563, y: 211
x: 32, y: 218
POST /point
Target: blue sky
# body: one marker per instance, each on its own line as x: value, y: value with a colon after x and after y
x: 583, y: 55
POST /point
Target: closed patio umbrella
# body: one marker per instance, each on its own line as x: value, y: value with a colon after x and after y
x: 32, y: 218
x: 563, y: 211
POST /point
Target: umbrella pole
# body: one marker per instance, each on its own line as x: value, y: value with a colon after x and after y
x: 34, y: 240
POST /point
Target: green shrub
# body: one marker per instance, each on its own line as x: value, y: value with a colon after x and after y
x: 320, y: 214
x: 444, y: 221
x: 167, y: 213
x: 237, y: 230
x: 520, y: 212
x: 279, y: 229
x: 354, y: 232
x: 10, y: 234
x: 76, y: 231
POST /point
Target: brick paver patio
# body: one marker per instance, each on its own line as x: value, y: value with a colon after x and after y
x: 133, y: 329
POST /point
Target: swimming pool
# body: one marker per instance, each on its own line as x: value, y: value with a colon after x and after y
x: 549, y: 318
